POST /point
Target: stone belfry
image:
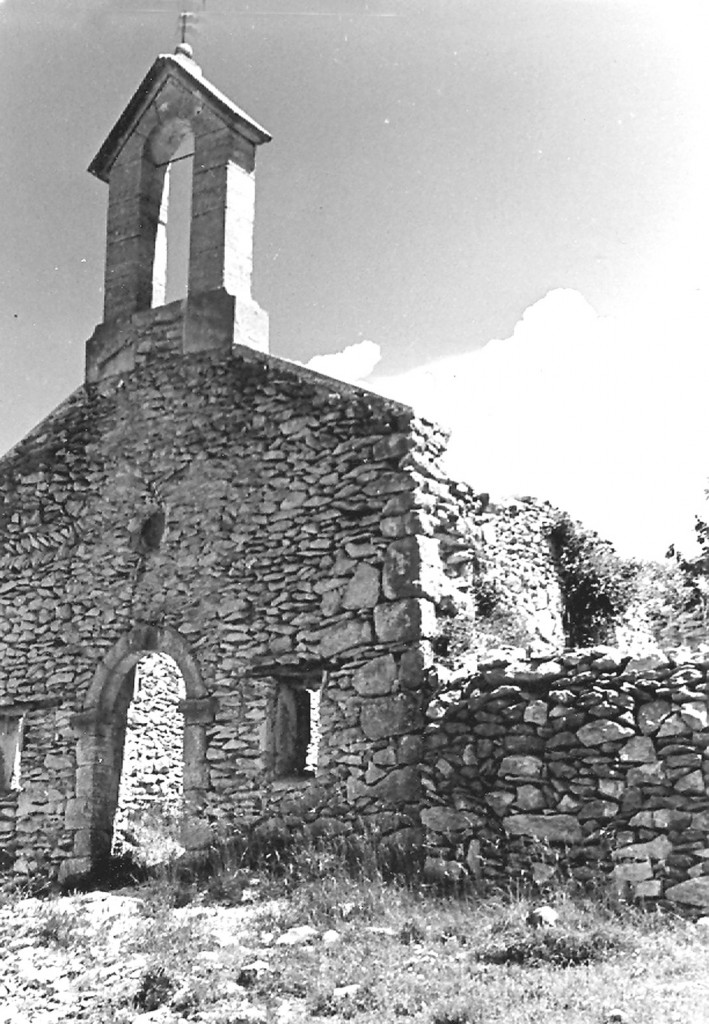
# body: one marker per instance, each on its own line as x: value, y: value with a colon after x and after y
x: 176, y: 112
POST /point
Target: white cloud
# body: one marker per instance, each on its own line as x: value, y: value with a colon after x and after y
x: 604, y: 418
x: 352, y: 364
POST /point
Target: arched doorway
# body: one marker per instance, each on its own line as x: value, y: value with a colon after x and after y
x: 149, y: 805
x: 101, y: 735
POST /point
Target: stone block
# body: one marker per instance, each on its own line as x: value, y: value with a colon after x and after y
x: 84, y: 844
x: 695, y: 715
x: 658, y: 848
x: 414, y: 666
x: 536, y: 712
x: 647, y: 775
x: 195, y: 775
x: 85, y: 781
x: 410, y: 749
x: 558, y: 828
x: 650, y: 889
x: 447, y: 819
x: 382, y: 717
x: 643, y: 819
x: 78, y: 813
x: 612, y: 788
x: 673, y: 726
x: 639, y: 871
x: 598, y: 809
x: 393, y: 447
x: 695, y: 892
x: 530, y: 798
x: 400, y: 786
x: 344, y: 636
x: 520, y: 766
x: 639, y: 749
x: 412, y: 568
x: 499, y: 800
x: 650, y: 663
x: 603, y: 731
x: 356, y: 788
x: 691, y: 783
x: 198, y: 709
x: 363, y: 589
x: 547, y: 672
x: 474, y: 860
x: 651, y: 716
x: 73, y: 869
x: 609, y: 661
x: 376, y: 678
x: 58, y: 762
x: 404, y: 621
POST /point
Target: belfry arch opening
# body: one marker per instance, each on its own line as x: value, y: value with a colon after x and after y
x: 170, y: 156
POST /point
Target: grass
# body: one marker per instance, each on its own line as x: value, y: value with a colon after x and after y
x: 207, y: 947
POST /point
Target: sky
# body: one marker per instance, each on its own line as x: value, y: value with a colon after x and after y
x: 494, y: 210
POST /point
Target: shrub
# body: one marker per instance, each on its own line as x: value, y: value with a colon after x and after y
x: 453, y: 1013
x: 562, y: 948
x: 61, y: 928
x: 156, y: 987
x: 596, y: 583
x: 411, y: 933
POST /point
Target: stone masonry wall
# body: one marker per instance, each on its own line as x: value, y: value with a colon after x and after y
x: 592, y: 762
x: 271, y: 530
x: 257, y: 522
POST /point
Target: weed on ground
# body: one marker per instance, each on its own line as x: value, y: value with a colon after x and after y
x: 333, y: 937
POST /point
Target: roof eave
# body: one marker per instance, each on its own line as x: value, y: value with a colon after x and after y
x: 102, y: 163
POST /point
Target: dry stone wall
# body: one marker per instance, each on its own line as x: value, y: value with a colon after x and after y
x: 592, y: 763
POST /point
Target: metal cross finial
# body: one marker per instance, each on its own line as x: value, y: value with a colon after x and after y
x: 184, y: 19
x: 187, y: 18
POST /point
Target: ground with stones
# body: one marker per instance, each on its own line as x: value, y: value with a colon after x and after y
x: 339, y: 950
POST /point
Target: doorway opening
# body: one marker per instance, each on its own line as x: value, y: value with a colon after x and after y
x: 149, y: 784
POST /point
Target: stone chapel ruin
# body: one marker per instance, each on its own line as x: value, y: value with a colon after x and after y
x: 268, y: 572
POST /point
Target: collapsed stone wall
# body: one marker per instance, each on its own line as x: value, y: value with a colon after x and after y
x: 590, y: 763
x: 516, y: 580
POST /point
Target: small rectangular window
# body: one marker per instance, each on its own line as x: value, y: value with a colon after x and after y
x: 296, y: 729
x: 11, y: 728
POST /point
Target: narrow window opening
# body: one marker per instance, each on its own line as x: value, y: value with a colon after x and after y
x: 151, y: 533
x: 172, y: 235
x: 146, y: 823
x: 11, y: 735
x: 296, y: 729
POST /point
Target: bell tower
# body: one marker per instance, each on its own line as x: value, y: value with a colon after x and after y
x: 177, y: 113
